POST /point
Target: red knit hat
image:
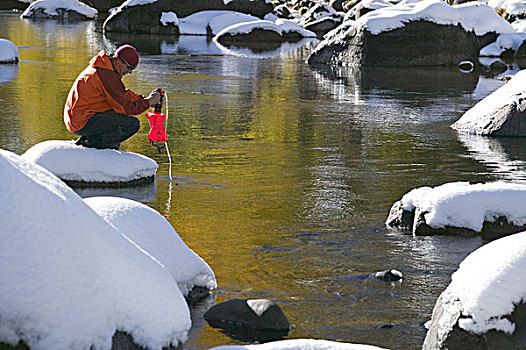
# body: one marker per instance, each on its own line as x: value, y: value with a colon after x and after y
x: 129, y: 54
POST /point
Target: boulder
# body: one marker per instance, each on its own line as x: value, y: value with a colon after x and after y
x: 417, y: 43
x: 88, y: 167
x: 145, y: 18
x: 502, y: 113
x: 483, y: 307
x: 252, y: 319
x: 447, y: 207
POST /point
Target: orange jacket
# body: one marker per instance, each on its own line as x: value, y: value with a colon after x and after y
x: 97, y: 89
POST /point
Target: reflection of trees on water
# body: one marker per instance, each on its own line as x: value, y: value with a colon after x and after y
x: 506, y: 157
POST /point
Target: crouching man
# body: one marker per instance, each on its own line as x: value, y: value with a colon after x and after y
x: 99, y: 108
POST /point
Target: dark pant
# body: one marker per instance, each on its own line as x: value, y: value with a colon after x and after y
x: 108, y: 129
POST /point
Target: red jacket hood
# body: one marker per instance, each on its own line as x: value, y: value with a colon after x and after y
x: 102, y: 60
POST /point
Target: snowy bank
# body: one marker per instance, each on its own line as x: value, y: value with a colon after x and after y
x: 69, y: 279
x: 8, y: 52
x: 485, y: 294
x: 461, y: 205
x: 153, y: 233
x: 300, y: 344
x: 80, y: 165
x: 494, y: 115
x: 68, y: 9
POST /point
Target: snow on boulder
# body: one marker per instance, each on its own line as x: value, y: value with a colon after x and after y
x: 410, y: 33
x: 493, y: 210
x: 153, y: 233
x: 300, y: 344
x: 69, y: 279
x: 8, y: 52
x: 502, y: 113
x: 486, y: 23
x: 59, y: 9
x: 251, y: 34
x: 82, y: 166
x: 212, y: 22
x: 484, y: 305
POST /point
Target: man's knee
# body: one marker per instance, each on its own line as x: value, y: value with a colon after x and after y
x: 135, y: 125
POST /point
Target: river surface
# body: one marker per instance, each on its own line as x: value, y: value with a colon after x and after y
x: 283, y: 174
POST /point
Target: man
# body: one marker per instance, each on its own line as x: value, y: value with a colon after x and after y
x: 99, y: 108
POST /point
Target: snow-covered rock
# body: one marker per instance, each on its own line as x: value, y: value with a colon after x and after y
x: 512, y: 8
x: 153, y: 233
x: 483, y: 307
x: 492, y: 210
x: 8, y: 52
x: 300, y: 344
x: 78, y: 165
x: 69, y: 279
x: 410, y: 33
x: 63, y: 9
x: 499, y: 114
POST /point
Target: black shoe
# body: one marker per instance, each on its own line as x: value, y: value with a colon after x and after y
x: 81, y: 141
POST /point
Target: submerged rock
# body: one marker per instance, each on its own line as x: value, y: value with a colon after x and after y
x: 81, y: 166
x: 249, y: 320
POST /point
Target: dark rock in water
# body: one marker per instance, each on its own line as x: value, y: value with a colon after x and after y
x: 254, y: 37
x: 13, y: 5
x: 249, y: 320
x: 399, y: 218
x: 418, y: 43
x: 197, y: 294
x: 135, y: 182
x: 445, y: 332
x: 388, y: 275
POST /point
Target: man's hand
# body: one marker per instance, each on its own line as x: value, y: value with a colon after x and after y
x: 154, y: 98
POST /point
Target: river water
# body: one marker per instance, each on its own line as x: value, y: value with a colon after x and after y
x: 283, y: 174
